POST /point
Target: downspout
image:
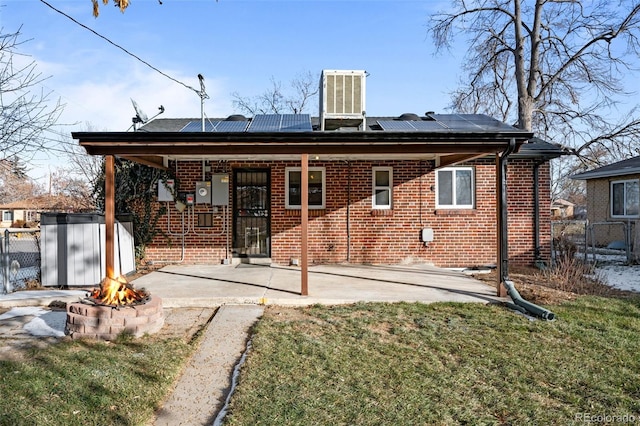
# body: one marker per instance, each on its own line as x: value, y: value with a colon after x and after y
x: 536, y: 213
x: 538, y: 261
x: 520, y: 303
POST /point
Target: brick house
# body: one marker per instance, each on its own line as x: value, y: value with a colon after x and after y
x: 613, y: 200
x: 27, y: 211
x: 386, y: 190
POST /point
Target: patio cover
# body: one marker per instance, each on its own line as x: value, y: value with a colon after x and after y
x: 447, y: 147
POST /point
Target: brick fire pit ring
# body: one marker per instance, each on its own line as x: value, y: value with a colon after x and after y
x: 94, y: 321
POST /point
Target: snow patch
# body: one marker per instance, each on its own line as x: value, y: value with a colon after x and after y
x: 45, y: 324
x: 622, y: 277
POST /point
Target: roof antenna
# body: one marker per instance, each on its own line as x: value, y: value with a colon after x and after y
x: 203, y: 95
x: 141, y: 117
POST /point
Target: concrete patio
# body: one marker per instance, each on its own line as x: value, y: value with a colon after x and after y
x: 214, y: 285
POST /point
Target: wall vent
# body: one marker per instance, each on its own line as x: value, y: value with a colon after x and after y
x: 342, y: 99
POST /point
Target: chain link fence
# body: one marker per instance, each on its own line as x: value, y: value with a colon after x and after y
x: 568, y: 239
x: 594, y: 242
x: 19, y: 260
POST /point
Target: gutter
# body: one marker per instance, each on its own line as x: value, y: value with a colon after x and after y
x: 521, y: 304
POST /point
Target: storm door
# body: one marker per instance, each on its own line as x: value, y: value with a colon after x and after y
x: 251, y: 213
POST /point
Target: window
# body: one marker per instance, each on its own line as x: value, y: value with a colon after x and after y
x: 382, y: 187
x: 7, y: 216
x: 293, y: 183
x: 455, y: 188
x: 625, y: 198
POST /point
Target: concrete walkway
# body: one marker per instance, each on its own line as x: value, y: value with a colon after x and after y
x: 201, y: 391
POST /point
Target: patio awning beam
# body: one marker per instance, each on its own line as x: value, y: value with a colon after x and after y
x: 294, y: 143
x: 151, y: 148
x: 147, y: 160
x: 266, y: 149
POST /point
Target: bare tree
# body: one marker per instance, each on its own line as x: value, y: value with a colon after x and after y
x: 82, y: 166
x: 25, y: 111
x: 552, y: 66
x: 15, y: 184
x: 304, y: 88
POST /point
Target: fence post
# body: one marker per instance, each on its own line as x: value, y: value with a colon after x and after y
x: 5, y: 263
x: 586, y: 239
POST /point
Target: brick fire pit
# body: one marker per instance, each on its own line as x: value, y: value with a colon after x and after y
x: 94, y: 321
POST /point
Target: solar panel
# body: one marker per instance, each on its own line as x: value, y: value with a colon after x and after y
x: 396, y: 125
x: 215, y: 126
x: 457, y: 121
x: 428, y: 125
x: 410, y: 126
x: 264, y: 123
x: 280, y: 123
x: 196, y: 126
x: 452, y: 122
x: 473, y: 122
x: 230, y: 126
x: 296, y: 123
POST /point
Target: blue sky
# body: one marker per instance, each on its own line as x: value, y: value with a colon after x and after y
x: 238, y: 45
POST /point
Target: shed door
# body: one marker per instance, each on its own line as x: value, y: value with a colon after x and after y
x: 251, y: 213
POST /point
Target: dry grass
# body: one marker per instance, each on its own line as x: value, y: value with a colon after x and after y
x: 440, y: 364
x: 566, y: 281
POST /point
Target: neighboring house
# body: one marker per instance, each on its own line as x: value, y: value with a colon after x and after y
x: 562, y: 209
x: 28, y: 211
x: 380, y: 189
x: 613, y: 199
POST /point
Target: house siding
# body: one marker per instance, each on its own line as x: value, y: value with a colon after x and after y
x: 599, y: 211
x: 348, y: 229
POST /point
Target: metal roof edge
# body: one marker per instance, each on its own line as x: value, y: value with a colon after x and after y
x: 595, y: 174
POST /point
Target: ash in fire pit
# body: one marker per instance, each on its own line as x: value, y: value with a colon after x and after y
x: 115, y: 308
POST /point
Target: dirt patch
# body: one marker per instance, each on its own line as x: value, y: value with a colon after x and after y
x: 18, y: 349
x: 549, y: 288
x: 180, y: 323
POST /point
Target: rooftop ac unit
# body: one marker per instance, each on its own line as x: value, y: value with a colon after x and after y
x: 342, y: 96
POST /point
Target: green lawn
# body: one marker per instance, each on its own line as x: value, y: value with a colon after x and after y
x: 441, y: 364
x: 90, y: 383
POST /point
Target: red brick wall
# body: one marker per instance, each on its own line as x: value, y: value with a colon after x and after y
x: 520, y: 187
x: 461, y: 237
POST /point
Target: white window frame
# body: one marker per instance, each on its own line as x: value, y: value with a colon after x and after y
x: 375, y: 188
x: 624, y: 182
x: 9, y: 213
x: 453, y: 188
x: 286, y: 187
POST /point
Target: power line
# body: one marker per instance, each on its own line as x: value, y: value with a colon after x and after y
x: 120, y: 47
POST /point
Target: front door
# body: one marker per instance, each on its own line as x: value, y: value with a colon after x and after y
x: 251, y: 213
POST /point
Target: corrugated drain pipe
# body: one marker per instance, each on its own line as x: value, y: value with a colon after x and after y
x: 518, y: 302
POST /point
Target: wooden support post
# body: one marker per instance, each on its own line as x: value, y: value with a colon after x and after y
x: 109, y: 216
x: 304, y: 224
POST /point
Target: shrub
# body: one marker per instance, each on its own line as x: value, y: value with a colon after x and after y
x: 572, y: 275
x: 564, y: 248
